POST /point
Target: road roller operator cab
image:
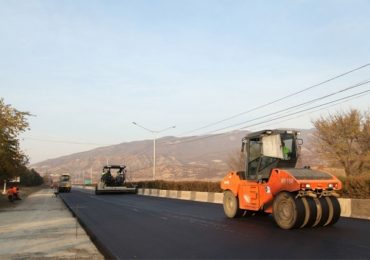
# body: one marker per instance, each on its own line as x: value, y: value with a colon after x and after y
x: 271, y: 183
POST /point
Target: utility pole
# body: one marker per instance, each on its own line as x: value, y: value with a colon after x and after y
x: 154, y: 133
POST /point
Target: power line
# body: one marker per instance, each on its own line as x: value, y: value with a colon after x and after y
x: 331, y: 105
x: 264, y: 116
x: 296, y: 106
x: 304, y: 110
x: 272, y: 119
x: 64, y: 141
x: 292, y: 107
x: 277, y: 100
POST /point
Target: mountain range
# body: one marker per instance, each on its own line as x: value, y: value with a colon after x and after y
x: 177, y: 158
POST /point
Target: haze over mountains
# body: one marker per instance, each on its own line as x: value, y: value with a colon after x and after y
x: 186, y: 158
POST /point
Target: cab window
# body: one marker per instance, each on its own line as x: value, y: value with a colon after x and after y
x: 287, y: 146
x: 254, y: 155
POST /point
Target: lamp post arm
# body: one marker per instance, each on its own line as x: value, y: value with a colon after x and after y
x: 147, y: 129
x: 154, y: 160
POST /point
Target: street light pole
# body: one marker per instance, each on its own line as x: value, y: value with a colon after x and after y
x: 155, y: 133
x: 154, y: 139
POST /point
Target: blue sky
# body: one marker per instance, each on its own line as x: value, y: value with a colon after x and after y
x: 87, y: 69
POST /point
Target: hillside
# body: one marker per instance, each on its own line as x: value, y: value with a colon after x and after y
x: 189, y: 158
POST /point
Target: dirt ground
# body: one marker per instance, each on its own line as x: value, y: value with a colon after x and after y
x: 24, y: 193
x: 41, y: 227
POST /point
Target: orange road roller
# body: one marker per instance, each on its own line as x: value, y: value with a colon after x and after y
x: 271, y: 184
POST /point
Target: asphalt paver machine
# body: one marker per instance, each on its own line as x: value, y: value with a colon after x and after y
x: 113, y: 180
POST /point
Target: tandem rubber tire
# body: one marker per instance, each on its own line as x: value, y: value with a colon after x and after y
x: 288, y: 211
x: 310, y: 212
x: 231, y: 205
x: 335, y: 209
x: 326, y: 212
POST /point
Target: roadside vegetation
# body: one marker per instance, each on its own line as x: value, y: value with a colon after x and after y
x: 356, y: 187
x: 180, y: 185
x: 343, y: 140
x: 13, y: 162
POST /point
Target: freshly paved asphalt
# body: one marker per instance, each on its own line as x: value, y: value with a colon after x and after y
x: 134, y: 226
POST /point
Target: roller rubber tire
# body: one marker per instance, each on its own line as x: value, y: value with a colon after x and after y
x: 335, y: 206
x: 288, y: 211
x: 310, y: 212
x: 318, y: 212
x: 231, y: 205
x: 325, y: 212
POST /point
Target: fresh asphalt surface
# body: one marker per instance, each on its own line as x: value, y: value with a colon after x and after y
x: 134, y: 226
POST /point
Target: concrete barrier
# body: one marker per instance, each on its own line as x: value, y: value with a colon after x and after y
x: 345, y: 205
x: 353, y: 208
x: 360, y: 208
x: 211, y: 197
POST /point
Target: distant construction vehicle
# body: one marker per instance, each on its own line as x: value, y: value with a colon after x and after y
x: 64, y: 184
x: 114, y: 183
x: 296, y: 198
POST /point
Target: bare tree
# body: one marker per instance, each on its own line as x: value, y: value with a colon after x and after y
x: 236, y: 161
x: 345, y: 139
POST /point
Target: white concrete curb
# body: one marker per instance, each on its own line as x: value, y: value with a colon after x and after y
x: 212, y: 197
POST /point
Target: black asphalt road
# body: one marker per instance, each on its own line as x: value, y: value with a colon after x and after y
x: 134, y: 226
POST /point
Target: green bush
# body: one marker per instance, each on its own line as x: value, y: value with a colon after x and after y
x: 31, y: 178
x: 206, y: 186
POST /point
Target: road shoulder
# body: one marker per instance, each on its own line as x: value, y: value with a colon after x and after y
x: 42, y: 227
